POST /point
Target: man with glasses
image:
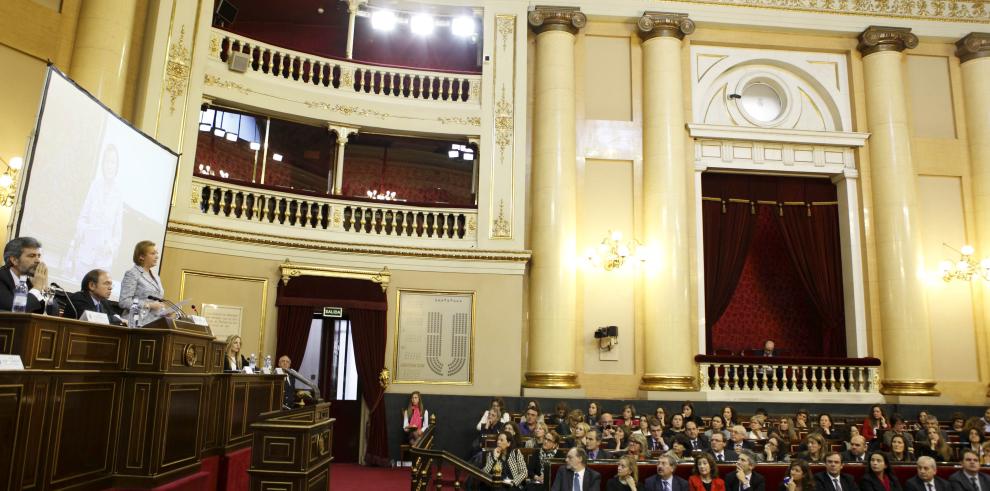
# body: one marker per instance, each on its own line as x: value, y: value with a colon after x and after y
x: 537, y: 460
x: 576, y: 476
x: 665, y: 480
x: 718, y: 449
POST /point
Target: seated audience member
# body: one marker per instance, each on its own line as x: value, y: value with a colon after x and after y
x: 729, y: 415
x: 606, y: 424
x: 787, y: 432
x: 969, y: 478
x: 505, y: 462
x: 94, y: 295
x: 972, y: 439
x: 676, y: 427
x: 629, y: 415
x: 679, y: 448
x: 637, y: 447
x: 739, y: 441
x: 833, y: 479
x: 745, y: 478
x: 756, y: 431
x: 620, y: 439
x: 717, y: 425
x: 921, y: 422
x: 772, y: 450
x: 531, y: 418
x: 801, y: 420
x: 575, y: 418
x: 665, y: 480
x: 762, y: 414
x: 857, y: 451
x: 234, y: 361
x: 535, y: 466
x: 22, y: 257
x: 626, y: 476
x: 415, y: 418
x: 958, y: 421
x: 985, y: 421
x: 644, y: 427
x: 874, y: 425
x: 687, y: 411
x: 539, y: 435
x: 880, y: 476
x: 576, y: 471
x: 826, y: 429
x: 288, y: 387
x: 697, y: 441
x: 935, y: 447
x: 140, y: 281
x: 493, y: 419
x: 512, y: 428
x: 817, y: 450
x: 719, y: 451
x: 593, y: 446
x: 661, y: 415
x: 559, y: 417
x: 576, y: 436
x: 926, y: 479
x: 769, y: 349
x: 900, y: 451
x: 801, y: 479
x: 704, y: 475
x: 594, y: 413
x: 931, y: 421
x: 655, y: 442
x: 898, y: 427
x: 531, y: 405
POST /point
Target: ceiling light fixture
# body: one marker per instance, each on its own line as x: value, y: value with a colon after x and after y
x: 421, y: 24
x: 383, y: 20
x: 462, y: 26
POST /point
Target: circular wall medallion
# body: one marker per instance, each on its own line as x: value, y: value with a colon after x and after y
x: 762, y: 102
x: 190, y: 357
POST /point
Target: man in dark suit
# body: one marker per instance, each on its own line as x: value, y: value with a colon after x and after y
x: 857, y: 451
x: 535, y: 467
x: 665, y: 480
x: 739, y: 441
x: 22, y: 257
x: 288, y: 388
x: 655, y: 442
x: 593, y: 444
x: 94, y: 295
x: 698, y: 441
x: 576, y: 476
x: 718, y: 449
x: 969, y: 478
x: 833, y: 479
x: 745, y: 478
x: 926, y: 480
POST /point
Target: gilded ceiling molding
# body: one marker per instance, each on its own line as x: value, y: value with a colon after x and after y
x: 289, y: 270
x: 975, y: 11
x: 664, y: 24
x: 881, y: 38
x: 972, y: 46
x: 552, y: 18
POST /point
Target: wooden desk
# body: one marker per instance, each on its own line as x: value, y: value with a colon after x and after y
x: 293, y: 449
x: 100, y: 406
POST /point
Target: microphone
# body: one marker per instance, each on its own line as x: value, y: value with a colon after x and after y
x: 193, y: 307
x: 175, y: 308
x: 68, y: 300
x: 307, y: 382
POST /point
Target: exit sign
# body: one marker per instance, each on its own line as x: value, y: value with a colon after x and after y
x: 336, y: 312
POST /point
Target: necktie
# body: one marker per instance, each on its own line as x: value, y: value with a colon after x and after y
x: 976, y: 483
x: 666, y: 485
x: 98, y: 308
x: 836, y: 485
x: 694, y: 443
x: 718, y: 457
x: 577, y: 482
x: 930, y: 487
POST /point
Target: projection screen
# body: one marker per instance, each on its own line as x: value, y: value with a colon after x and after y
x: 94, y: 186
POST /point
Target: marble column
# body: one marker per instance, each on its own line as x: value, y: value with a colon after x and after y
x: 905, y: 330
x: 102, y: 48
x: 336, y: 182
x: 352, y: 10
x: 552, y: 299
x: 974, y: 53
x: 669, y: 362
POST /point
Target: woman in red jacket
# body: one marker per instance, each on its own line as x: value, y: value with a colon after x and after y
x: 875, y: 424
x: 705, y: 475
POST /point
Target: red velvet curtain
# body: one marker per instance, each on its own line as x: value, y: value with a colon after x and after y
x: 812, y: 237
x: 294, y: 322
x: 368, y: 329
x: 728, y: 230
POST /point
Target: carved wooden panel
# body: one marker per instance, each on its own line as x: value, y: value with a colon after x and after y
x: 46, y: 345
x: 92, y: 349
x: 279, y: 450
x: 6, y: 340
x: 85, y: 422
x: 10, y: 415
x: 138, y: 424
x: 319, y: 481
x: 180, y: 440
x: 146, y: 350
x: 34, y: 424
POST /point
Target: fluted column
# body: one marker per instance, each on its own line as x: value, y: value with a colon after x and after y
x: 669, y: 363
x: 974, y: 53
x: 903, y: 307
x: 103, y: 40
x: 336, y: 182
x: 552, y: 301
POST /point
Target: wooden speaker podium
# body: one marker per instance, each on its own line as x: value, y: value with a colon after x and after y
x: 292, y: 449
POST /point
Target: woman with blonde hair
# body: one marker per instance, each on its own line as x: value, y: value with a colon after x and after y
x: 234, y: 361
x: 626, y: 475
x: 140, y: 281
x: 539, y: 434
x: 816, y: 449
x: 786, y: 431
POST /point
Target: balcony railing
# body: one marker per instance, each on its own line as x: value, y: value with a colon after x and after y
x: 789, y: 374
x: 383, y: 219
x: 346, y: 76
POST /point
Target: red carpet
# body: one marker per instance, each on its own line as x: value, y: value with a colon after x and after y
x: 353, y: 477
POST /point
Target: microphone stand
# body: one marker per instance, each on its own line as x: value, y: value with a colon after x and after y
x: 307, y: 382
x: 171, y: 305
x: 56, y: 288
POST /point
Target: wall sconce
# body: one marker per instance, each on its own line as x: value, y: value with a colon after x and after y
x: 966, y: 268
x: 607, y: 337
x: 612, y: 252
x: 8, y: 180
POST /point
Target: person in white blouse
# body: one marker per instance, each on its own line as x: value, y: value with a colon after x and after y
x: 140, y: 281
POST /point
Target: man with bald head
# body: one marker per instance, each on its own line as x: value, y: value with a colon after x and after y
x: 857, y: 451
x: 289, y: 394
x: 927, y: 480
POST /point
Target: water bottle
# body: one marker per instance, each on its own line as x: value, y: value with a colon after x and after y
x: 268, y: 364
x: 20, y: 295
x: 253, y: 362
x: 134, y: 314
x: 142, y: 313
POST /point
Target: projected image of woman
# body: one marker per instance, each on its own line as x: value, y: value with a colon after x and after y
x: 98, y: 229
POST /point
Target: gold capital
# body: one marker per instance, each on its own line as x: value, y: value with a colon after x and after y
x: 550, y: 18
x: 664, y: 24
x: 909, y: 388
x: 972, y: 46
x: 882, y: 38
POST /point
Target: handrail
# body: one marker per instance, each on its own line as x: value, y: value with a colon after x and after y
x: 789, y: 360
x: 428, y: 463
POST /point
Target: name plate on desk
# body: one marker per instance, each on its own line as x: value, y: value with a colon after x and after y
x: 95, y: 317
x: 199, y: 320
x: 11, y: 362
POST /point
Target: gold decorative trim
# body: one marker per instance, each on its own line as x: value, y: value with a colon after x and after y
x: 909, y: 388
x: 500, y: 226
x: 930, y: 10
x: 215, y: 43
x: 467, y: 121
x: 177, y: 70
x: 667, y: 382
x: 881, y: 38
x: 503, y: 124
x: 187, y: 273
x: 972, y: 46
x: 552, y: 18
x: 474, y: 329
x: 472, y: 223
x: 346, y: 77
x: 347, y: 110
x: 505, y: 25
x: 288, y: 270
x: 196, y: 230
x: 551, y: 380
x: 664, y: 24
x: 215, y: 81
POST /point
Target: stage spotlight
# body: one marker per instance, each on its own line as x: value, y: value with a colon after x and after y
x: 421, y: 24
x: 383, y: 20
x: 462, y: 26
